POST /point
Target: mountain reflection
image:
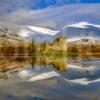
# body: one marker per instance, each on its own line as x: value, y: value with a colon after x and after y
x: 10, y: 66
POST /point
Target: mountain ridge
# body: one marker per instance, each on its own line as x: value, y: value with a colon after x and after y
x: 72, y: 31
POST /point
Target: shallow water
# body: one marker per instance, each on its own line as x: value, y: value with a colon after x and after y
x: 50, y: 79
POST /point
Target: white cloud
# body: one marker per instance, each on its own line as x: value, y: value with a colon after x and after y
x: 55, y: 17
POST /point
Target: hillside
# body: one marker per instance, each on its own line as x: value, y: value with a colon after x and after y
x: 79, y: 30
x: 39, y: 33
x: 58, y: 44
x: 85, y: 46
x: 11, y: 44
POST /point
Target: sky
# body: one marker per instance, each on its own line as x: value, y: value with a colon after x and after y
x: 12, y: 5
x: 48, y: 13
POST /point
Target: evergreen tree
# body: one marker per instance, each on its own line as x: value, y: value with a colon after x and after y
x: 33, y: 45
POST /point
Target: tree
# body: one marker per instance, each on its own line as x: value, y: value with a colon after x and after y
x: 32, y: 47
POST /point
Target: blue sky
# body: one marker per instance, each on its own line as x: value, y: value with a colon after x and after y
x: 49, y: 13
x: 12, y: 5
x: 40, y: 4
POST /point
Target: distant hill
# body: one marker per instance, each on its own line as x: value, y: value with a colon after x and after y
x: 38, y: 33
x: 79, y: 30
x: 12, y: 44
x: 8, y: 38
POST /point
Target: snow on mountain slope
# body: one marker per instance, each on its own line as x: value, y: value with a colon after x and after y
x: 80, y: 30
x: 42, y: 30
x: 32, y: 30
x: 72, y: 32
x: 82, y: 25
x: 80, y: 38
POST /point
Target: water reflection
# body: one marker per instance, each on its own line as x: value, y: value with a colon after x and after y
x: 8, y: 66
x: 47, y: 77
x: 59, y: 63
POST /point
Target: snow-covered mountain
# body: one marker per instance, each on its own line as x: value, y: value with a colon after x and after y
x: 73, y: 31
x: 82, y: 25
x: 83, y: 38
x: 79, y: 30
x: 8, y: 38
x: 39, y: 33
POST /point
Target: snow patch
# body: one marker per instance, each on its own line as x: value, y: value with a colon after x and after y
x: 76, y: 67
x: 43, y: 30
x: 28, y: 30
x: 84, y: 81
x: 80, y: 38
x: 82, y: 25
x: 43, y: 76
x: 24, y: 33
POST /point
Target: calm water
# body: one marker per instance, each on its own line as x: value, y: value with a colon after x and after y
x: 50, y: 79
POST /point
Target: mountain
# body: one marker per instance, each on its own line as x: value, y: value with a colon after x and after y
x: 7, y: 38
x: 83, y: 38
x: 78, y: 30
x: 84, y: 41
x: 39, y: 33
x: 82, y: 25
x: 72, y: 32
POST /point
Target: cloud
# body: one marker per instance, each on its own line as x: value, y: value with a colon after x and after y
x: 55, y: 17
x: 12, y: 5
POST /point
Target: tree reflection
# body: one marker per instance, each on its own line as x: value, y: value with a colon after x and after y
x: 59, y: 63
x: 10, y: 66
